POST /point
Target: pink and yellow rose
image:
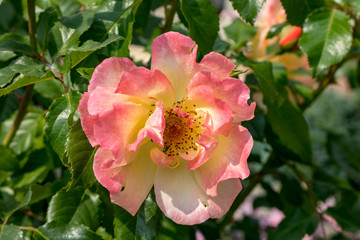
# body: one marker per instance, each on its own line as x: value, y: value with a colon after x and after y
x: 175, y: 127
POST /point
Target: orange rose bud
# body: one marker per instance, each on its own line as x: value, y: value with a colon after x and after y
x: 291, y: 36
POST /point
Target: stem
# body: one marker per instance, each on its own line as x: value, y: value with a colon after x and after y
x: 28, y: 91
x: 170, y: 17
x: 33, y: 230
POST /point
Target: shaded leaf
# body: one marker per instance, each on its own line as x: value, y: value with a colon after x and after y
x: 56, y: 127
x: 11, y: 232
x: 326, y: 38
x: 240, y: 33
x: 248, y: 9
x: 8, y: 160
x: 81, y: 156
x: 203, y: 21
x: 16, y: 46
x: 298, y: 10
x: 8, y: 105
x: 46, y: 21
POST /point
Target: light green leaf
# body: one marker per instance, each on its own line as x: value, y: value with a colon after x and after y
x: 248, y: 9
x: 78, y: 54
x: 63, y: 231
x: 81, y: 156
x: 240, y: 33
x: 56, y: 127
x: 11, y: 232
x: 298, y: 10
x: 326, y: 38
x: 203, y: 21
x: 23, y: 71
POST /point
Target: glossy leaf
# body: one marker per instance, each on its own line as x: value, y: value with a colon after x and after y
x: 56, y: 127
x: 11, y: 232
x: 298, y: 10
x: 203, y: 21
x: 23, y: 71
x: 46, y: 21
x: 56, y: 231
x: 81, y: 156
x: 248, y: 9
x: 326, y: 38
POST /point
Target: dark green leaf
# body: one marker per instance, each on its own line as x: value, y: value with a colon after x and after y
x: 81, y: 156
x: 63, y: 231
x: 78, y: 54
x: 298, y: 10
x: 63, y: 205
x: 275, y: 30
x: 8, y: 160
x: 144, y: 226
x: 286, y: 120
x: 15, y: 46
x: 23, y: 71
x: 46, y: 21
x: 203, y: 22
x: 326, y: 38
x: 11, y: 232
x: 65, y: 34
x: 248, y: 9
x: 8, y: 105
x: 240, y: 33
x: 295, y: 225
x: 56, y: 127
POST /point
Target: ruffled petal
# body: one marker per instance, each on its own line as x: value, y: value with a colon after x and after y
x: 231, y: 90
x: 128, y: 185
x: 87, y: 121
x: 218, y: 113
x: 117, y: 127
x: 147, y: 85
x: 229, y: 160
x: 154, y: 128
x: 175, y: 55
x: 109, y: 72
x: 218, y: 64
x: 181, y: 199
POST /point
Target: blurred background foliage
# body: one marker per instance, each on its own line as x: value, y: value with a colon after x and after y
x: 299, y: 58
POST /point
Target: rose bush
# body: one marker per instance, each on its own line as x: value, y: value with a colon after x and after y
x: 175, y: 127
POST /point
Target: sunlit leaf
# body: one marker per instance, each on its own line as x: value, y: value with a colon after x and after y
x: 248, y: 9
x: 11, y: 232
x: 63, y: 231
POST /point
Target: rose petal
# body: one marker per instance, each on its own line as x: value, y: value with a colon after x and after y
x: 231, y: 90
x: 218, y: 64
x: 109, y: 72
x: 128, y: 185
x: 219, y: 114
x: 117, y: 127
x: 182, y: 200
x: 154, y: 128
x: 175, y: 55
x: 87, y: 121
x: 160, y: 158
x: 229, y: 160
x: 146, y: 85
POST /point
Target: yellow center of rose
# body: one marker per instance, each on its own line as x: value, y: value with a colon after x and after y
x: 182, y: 132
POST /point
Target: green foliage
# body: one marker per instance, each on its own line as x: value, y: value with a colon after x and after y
x: 304, y: 162
x: 326, y: 39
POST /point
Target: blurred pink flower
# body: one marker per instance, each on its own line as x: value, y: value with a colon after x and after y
x: 170, y: 127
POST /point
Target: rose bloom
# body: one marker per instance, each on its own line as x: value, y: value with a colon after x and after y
x: 175, y: 127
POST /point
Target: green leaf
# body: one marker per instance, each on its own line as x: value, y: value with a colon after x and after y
x: 81, y: 156
x: 285, y: 119
x: 78, y: 54
x: 23, y: 71
x: 46, y: 21
x: 295, y: 225
x: 11, y: 232
x: 203, y: 21
x: 326, y: 38
x: 355, y: 4
x: 275, y: 30
x: 63, y: 205
x: 8, y: 160
x: 66, y: 34
x: 8, y: 105
x: 16, y: 46
x: 144, y: 226
x: 240, y: 33
x: 63, y: 231
x: 88, y: 213
x: 56, y: 127
x: 298, y: 10
x: 248, y: 9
